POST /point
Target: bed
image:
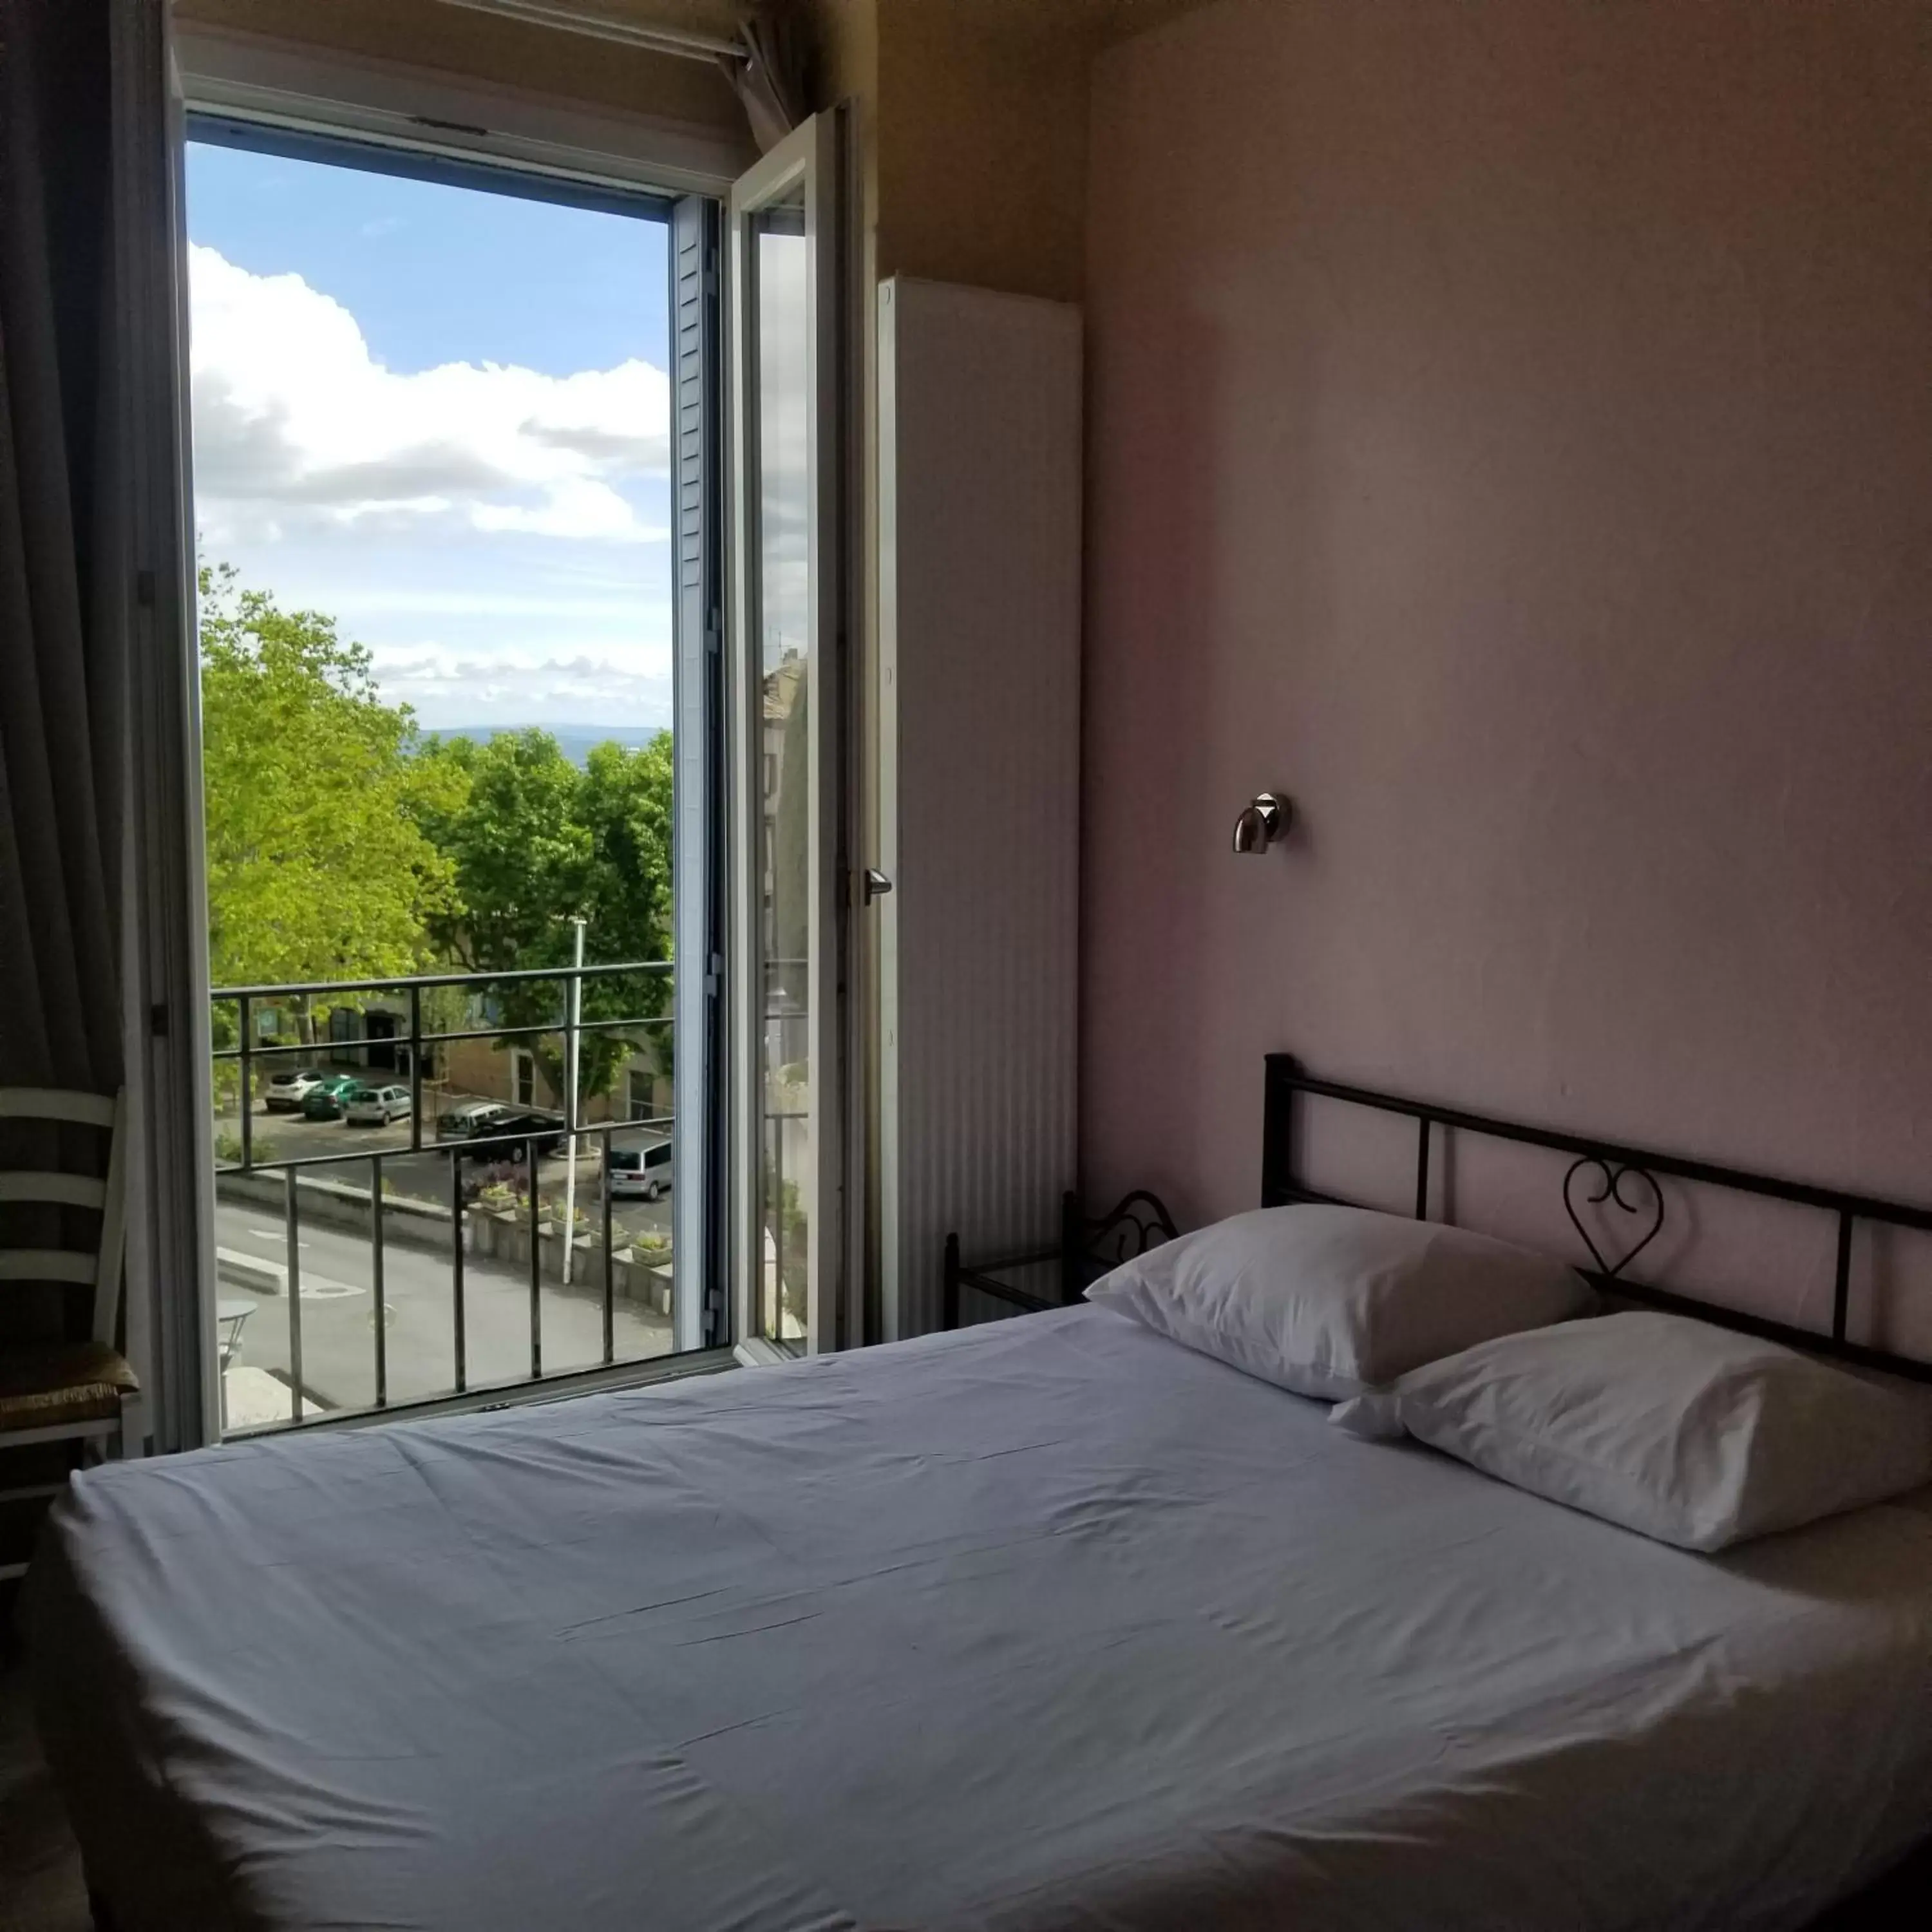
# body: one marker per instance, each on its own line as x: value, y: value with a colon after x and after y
x: 1048, y: 1623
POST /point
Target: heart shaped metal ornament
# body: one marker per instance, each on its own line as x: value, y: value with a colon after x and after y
x: 1611, y: 1190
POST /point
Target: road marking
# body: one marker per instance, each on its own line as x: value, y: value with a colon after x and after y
x: 273, y: 1235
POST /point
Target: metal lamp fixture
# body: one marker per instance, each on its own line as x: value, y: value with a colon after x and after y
x: 1265, y: 818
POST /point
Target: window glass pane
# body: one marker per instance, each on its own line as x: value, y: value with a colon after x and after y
x: 781, y: 336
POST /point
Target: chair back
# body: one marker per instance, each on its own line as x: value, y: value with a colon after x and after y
x: 99, y: 1267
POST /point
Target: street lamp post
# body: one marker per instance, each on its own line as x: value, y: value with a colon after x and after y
x: 570, y: 1056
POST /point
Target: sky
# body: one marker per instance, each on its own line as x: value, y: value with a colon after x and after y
x: 440, y: 415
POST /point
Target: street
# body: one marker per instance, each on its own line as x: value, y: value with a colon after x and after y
x: 337, y: 1312
x: 425, y: 1176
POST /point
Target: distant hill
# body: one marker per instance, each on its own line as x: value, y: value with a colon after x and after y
x: 575, y: 740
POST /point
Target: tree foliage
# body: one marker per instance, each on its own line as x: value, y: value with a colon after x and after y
x: 536, y: 842
x: 319, y: 866
x: 344, y: 845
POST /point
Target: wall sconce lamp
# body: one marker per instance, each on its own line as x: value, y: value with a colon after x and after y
x: 1265, y: 819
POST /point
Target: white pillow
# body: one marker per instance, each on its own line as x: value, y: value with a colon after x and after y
x: 1329, y: 1301
x: 1690, y: 1433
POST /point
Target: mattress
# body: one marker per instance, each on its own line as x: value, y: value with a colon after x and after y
x: 1049, y: 1623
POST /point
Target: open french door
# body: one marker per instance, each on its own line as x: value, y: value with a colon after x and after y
x: 786, y: 687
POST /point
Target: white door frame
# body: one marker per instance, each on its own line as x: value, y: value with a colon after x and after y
x: 301, y: 88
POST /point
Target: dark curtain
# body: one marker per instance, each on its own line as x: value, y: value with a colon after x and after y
x: 63, y: 540
x: 771, y: 80
x: 64, y: 588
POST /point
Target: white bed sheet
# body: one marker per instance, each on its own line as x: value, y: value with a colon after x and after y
x: 1050, y: 1623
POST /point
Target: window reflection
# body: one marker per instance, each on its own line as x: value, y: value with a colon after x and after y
x: 781, y: 294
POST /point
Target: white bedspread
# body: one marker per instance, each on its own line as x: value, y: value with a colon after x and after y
x: 1050, y: 1623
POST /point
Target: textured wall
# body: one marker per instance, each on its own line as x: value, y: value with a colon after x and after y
x: 1512, y: 433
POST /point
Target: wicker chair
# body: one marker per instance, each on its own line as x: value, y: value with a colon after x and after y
x: 53, y: 1392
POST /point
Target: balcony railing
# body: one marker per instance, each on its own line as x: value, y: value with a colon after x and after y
x: 495, y: 1241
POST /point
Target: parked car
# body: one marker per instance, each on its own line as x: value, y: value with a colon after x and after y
x: 377, y: 1106
x: 640, y: 1173
x: 469, y: 1116
x: 325, y: 1100
x: 288, y: 1090
x: 525, y: 1120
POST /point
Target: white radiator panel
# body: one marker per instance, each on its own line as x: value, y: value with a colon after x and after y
x: 980, y: 477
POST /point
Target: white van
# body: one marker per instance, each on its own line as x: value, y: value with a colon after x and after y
x: 640, y: 1173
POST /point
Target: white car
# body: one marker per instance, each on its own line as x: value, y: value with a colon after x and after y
x: 640, y: 1173
x: 376, y: 1106
x: 287, y: 1091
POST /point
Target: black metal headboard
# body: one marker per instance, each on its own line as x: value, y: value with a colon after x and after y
x: 1090, y: 1244
x: 1601, y: 1173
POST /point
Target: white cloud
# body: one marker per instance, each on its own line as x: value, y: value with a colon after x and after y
x: 455, y: 688
x: 456, y: 599
x: 577, y: 507
x: 296, y: 424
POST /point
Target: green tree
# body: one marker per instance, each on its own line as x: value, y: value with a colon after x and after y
x: 627, y: 808
x: 536, y: 842
x: 506, y: 818
x: 319, y: 866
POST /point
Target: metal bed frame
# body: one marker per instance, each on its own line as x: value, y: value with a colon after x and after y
x: 1600, y: 1174
x: 1603, y: 1174
x: 1088, y: 1246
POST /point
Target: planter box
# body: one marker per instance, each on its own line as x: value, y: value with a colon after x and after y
x: 503, y: 1235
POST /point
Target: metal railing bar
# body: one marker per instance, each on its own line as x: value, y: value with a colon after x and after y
x: 415, y: 1069
x: 1841, y: 1280
x: 773, y: 1212
x: 605, y: 1128
x: 610, y: 1279
x: 555, y: 1026
x: 1422, y: 1168
x: 654, y: 968
x: 573, y: 1047
x: 532, y: 1157
x: 376, y: 1280
x: 427, y: 1103
x: 293, y: 1230
x: 247, y: 1089
x: 457, y: 1286
x: 328, y: 1049
x: 519, y: 1135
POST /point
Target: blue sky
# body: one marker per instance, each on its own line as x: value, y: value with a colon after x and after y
x: 440, y: 415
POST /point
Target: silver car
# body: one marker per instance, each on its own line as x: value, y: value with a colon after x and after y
x: 376, y: 1106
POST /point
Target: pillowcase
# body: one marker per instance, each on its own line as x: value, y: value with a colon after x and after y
x: 1690, y: 1433
x: 1329, y: 1301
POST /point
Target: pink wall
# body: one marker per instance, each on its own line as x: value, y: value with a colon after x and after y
x: 1512, y: 434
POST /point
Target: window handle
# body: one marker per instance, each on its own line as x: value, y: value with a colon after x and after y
x: 874, y: 885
